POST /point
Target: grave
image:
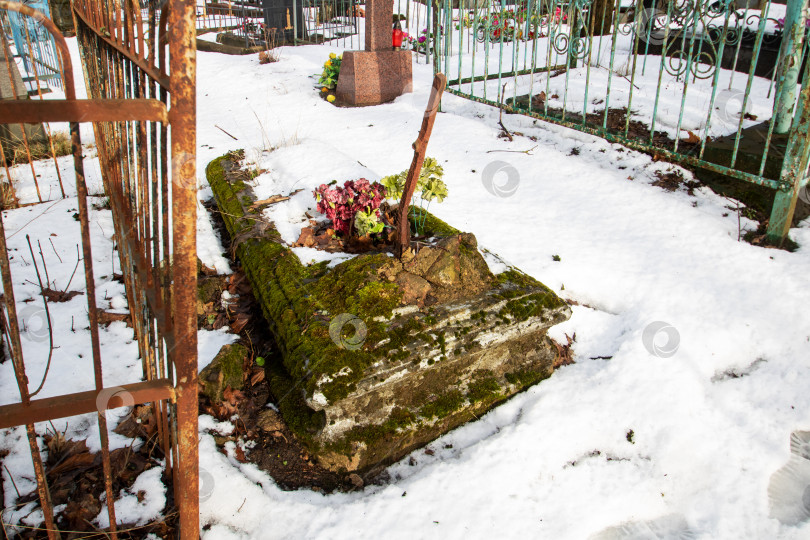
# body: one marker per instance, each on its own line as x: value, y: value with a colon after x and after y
x: 378, y: 74
x: 387, y: 351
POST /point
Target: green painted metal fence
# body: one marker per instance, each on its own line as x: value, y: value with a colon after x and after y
x: 718, y: 84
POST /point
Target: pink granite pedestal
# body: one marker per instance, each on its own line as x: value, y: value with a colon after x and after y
x: 374, y: 77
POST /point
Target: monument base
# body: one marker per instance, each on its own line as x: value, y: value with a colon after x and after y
x: 374, y: 77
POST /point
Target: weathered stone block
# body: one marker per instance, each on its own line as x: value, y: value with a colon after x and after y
x: 380, y: 356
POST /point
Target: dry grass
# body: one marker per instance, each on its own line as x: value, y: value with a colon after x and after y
x: 40, y: 149
x: 8, y: 198
x: 271, y: 54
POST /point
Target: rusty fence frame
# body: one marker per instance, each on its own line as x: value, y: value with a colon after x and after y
x: 142, y: 106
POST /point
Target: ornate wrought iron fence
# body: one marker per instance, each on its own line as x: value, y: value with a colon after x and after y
x: 711, y: 83
x: 141, y: 84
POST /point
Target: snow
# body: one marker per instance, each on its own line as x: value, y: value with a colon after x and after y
x: 141, y: 503
x: 705, y: 443
x: 209, y: 342
x: 625, y: 443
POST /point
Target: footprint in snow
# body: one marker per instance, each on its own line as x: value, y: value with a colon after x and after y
x: 789, y: 490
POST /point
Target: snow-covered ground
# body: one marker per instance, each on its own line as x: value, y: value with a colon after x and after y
x: 692, y: 353
x: 710, y: 424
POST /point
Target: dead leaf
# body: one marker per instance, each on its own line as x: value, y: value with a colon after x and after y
x: 234, y: 397
x: 257, y: 377
x: 239, y: 323
x: 59, y: 296
x: 105, y: 317
x: 76, y: 461
x: 207, y: 270
x: 691, y: 138
x: 239, y: 454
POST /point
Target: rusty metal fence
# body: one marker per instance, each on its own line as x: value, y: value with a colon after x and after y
x: 141, y: 85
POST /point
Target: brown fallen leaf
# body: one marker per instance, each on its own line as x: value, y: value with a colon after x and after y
x: 207, y: 270
x: 691, y: 138
x: 105, y: 317
x: 257, y: 377
x: 59, y: 296
x: 76, y: 461
x: 239, y: 454
x: 239, y: 323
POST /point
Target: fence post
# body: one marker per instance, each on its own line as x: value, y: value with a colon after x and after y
x: 794, y: 168
x: 789, y: 65
x: 184, y: 261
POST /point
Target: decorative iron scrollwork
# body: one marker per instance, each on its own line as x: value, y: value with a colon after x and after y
x: 691, y: 34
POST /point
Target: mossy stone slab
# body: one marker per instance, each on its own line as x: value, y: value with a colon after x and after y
x: 367, y: 373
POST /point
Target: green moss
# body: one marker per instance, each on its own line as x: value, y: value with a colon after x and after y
x: 446, y: 403
x: 224, y: 370
x: 373, y: 434
x: 484, y: 386
x: 441, y: 341
x: 525, y: 378
x: 532, y: 305
x: 230, y: 359
x: 289, y: 399
x: 300, y: 301
x: 354, y: 287
x: 436, y: 227
x: 208, y: 290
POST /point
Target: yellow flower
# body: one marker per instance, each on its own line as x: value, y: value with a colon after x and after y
x: 324, y: 89
x: 332, y: 56
x: 328, y: 63
x: 330, y: 99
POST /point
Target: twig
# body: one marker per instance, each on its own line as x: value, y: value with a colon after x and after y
x: 78, y: 260
x: 54, y: 250
x: 500, y: 114
x: 225, y: 132
x: 527, y: 152
x: 44, y: 266
x: 13, y: 483
x: 33, y: 219
x: 47, y: 316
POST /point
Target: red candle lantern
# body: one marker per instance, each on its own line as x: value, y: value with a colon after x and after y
x: 397, y: 36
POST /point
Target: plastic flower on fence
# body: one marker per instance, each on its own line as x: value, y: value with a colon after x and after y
x: 343, y: 205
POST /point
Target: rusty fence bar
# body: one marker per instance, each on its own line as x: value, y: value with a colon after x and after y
x: 142, y: 106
